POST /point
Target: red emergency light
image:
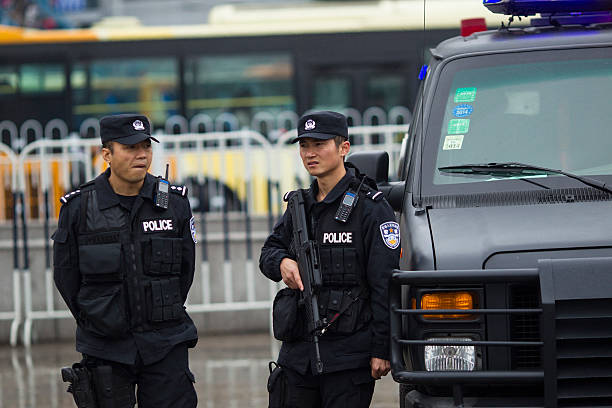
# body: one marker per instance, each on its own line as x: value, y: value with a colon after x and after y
x: 470, y: 26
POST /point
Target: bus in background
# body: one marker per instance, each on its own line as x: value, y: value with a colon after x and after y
x: 257, y: 67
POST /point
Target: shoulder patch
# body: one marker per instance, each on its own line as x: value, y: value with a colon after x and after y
x: 192, y: 228
x: 390, y: 232
x: 180, y: 190
x: 67, y: 197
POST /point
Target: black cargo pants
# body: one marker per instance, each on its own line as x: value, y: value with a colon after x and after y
x: 342, y: 389
x: 167, y: 383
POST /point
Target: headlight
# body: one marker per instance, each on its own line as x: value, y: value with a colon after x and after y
x: 450, y: 358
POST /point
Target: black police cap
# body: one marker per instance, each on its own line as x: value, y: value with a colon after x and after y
x: 127, y: 129
x: 322, y: 125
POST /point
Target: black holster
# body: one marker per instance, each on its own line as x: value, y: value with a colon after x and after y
x: 277, y: 386
x: 90, y: 387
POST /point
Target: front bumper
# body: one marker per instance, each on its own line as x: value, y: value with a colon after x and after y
x: 415, y: 399
x: 574, y: 318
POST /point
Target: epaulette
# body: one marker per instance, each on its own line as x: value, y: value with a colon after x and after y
x: 67, y: 197
x: 287, y: 196
x: 371, y: 193
x: 375, y: 195
x: 180, y: 190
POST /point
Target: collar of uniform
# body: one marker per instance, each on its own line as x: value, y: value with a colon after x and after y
x: 106, y: 195
x: 108, y: 198
x: 338, y: 189
x: 147, y: 188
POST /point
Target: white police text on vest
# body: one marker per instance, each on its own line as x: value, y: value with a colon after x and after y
x: 157, y: 225
x: 337, y: 237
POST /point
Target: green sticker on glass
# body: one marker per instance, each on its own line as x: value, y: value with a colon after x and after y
x: 465, y: 95
x: 458, y: 126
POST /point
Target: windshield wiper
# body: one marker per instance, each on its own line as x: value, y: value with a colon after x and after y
x: 513, y: 169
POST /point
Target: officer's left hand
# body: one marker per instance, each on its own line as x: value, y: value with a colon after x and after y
x: 379, y: 367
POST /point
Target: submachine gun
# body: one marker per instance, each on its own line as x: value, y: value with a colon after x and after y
x: 90, y: 387
x: 310, y: 270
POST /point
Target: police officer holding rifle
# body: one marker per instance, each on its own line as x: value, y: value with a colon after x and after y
x: 334, y: 248
x: 123, y: 258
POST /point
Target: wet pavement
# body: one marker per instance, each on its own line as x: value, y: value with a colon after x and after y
x: 231, y: 372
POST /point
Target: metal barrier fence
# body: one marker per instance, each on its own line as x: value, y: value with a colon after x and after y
x: 236, y: 179
x: 272, y: 124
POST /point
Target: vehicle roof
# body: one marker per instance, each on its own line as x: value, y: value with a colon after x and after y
x: 525, y: 39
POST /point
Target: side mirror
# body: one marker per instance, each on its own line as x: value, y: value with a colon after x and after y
x: 375, y: 164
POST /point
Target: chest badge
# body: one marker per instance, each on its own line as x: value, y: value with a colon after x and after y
x: 157, y: 226
x: 390, y: 234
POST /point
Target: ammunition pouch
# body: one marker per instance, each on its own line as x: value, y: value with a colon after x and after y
x: 164, y: 300
x: 165, y: 256
x: 287, y: 322
x: 340, y: 267
x: 345, y: 310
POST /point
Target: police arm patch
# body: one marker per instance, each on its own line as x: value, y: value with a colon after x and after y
x: 390, y: 232
x: 192, y: 228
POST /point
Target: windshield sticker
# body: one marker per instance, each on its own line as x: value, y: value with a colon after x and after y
x: 463, y: 110
x: 458, y: 126
x: 453, y: 142
x: 465, y: 95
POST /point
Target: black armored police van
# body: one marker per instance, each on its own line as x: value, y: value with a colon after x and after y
x: 504, y: 297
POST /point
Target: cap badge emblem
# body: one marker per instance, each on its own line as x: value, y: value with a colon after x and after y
x: 138, y: 125
x: 310, y: 124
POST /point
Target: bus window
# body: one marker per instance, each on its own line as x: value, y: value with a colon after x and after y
x: 8, y: 80
x: 146, y: 85
x: 386, y: 90
x: 332, y: 92
x: 239, y: 84
x: 41, y: 78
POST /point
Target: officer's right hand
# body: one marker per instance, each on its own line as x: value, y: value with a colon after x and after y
x: 291, y: 274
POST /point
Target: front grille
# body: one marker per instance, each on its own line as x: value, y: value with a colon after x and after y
x: 584, y: 352
x: 525, y: 327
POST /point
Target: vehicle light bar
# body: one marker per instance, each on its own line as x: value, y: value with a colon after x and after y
x: 532, y: 7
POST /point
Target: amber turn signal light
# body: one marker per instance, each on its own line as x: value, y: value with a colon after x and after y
x: 447, y: 300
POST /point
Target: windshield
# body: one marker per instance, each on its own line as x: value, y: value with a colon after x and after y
x: 550, y: 109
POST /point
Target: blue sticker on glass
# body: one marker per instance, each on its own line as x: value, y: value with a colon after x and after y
x: 463, y: 110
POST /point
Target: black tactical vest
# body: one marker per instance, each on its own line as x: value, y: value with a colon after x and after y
x: 129, y: 270
x: 342, y: 258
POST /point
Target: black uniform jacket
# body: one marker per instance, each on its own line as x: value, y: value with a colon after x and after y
x: 125, y: 282
x: 376, y: 258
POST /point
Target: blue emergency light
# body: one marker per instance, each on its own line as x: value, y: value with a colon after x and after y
x: 532, y: 7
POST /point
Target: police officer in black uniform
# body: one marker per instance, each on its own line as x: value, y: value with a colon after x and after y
x: 123, y: 263
x: 356, y: 257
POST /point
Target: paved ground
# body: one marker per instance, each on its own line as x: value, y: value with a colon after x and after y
x: 231, y: 372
